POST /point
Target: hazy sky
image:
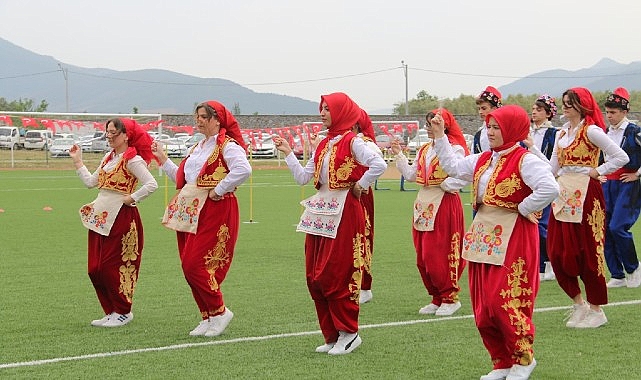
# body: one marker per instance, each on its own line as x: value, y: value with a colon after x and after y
x: 305, y: 49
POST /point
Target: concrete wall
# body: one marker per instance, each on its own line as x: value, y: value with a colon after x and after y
x: 469, y: 123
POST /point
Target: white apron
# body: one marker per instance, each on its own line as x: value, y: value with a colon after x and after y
x: 184, y: 208
x: 323, y: 212
x: 426, y: 207
x: 568, y: 206
x: 487, y: 239
x: 99, y: 215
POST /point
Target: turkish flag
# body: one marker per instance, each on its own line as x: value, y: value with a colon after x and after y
x: 29, y: 122
x: 6, y: 119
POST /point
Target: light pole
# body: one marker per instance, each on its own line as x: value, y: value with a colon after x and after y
x: 407, y: 105
x: 66, y: 75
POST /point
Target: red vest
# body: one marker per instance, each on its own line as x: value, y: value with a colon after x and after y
x: 213, y: 171
x: 431, y: 174
x: 581, y: 152
x: 344, y: 170
x: 505, y: 187
x: 119, y: 179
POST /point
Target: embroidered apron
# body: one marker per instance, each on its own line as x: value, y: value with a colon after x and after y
x: 182, y: 211
x: 487, y: 239
x: 426, y: 206
x: 323, y: 212
x: 568, y: 206
x: 99, y: 215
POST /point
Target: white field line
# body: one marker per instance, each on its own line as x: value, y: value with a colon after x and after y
x: 265, y: 337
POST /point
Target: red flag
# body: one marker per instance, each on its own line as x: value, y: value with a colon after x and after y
x: 29, y: 122
x: 6, y: 119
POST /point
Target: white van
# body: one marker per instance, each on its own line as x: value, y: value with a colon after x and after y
x: 39, y: 139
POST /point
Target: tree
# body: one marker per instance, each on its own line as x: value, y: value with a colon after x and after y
x: 22, y: 105
x: 134, y: 110
x: 236, y: 109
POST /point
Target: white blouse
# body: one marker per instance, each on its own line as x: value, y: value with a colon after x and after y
x: 233, y: 154
x: 450, y: 184
x: 137, y: 166
x: 535, y: 173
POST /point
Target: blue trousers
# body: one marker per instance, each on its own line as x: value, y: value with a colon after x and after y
x: 622, y: 206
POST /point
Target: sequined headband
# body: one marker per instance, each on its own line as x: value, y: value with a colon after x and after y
x: 616, y: 101
x: 491, y: 98
x: 550, y: 102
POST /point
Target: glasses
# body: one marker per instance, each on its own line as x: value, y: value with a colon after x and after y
x: 113, y: 133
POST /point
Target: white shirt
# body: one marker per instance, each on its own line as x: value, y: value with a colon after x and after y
x: 537, y: 176
x: 615, y: 156
x: 137, y: 166
x: 484, y: 141
x: 234, y: 156
x: 363, y: 155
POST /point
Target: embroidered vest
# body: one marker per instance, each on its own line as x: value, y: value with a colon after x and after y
x: 505, y: 187
x: 581, y: 152
x: 547, y: 145
x: 431, y: 174
x: 631, y: 144
x: 213, y: 171
x: 343, y: 169
x: 120, y: 179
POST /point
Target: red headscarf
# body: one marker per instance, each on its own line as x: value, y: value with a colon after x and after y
x: 138, y: 140
x: 514, y: 123
x: 345, y: 113
x: 228, y: 124
x: 593, y: 113
x: 365, y: 123
x: 453, y: 130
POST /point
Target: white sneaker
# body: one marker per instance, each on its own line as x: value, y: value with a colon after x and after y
x: 521, y: 372
x: 365, y: 297
x: 325, y: 347
x: 117, y: 320
x: 428, y: 309
x: 593, y: 320
x: 448, y: 309
x: 616, y: 283
x: 549, y: 272
x: 201, y: 329
x: 634, y: 281
x: 218, y: 324
x: 346, y: 343
x: 101, y: 321
x: 496, y: 374
x: 579, y: 311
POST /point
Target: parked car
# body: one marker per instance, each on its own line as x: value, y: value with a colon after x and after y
x: 12, y: 137
x: 157, y: 136
x: 384, y: 142
x: 418, y: 141
x: 182, y: 135
x: 261, y: 146
x: 60, y: 147
x: 469, y: 139
x: 174, y: 147
x: 38, y: 139
x: 64, y: 136
x: 193, y: 140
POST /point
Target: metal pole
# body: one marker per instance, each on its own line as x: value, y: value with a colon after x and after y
x: 66, y: 75
x: 407, y: 105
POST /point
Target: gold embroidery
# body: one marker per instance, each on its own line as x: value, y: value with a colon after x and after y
x: 477, y: 177
x: 454, y: 261
x: 119, y: 179
x: 346, y: 168
x: 580, y: 152
x: 367, y: 259
x: 218, y: 256
x: 508, y: 186
x: 128, y: 274
x: 357, y: 276
x: 596, y: 220
x: 517, y: 298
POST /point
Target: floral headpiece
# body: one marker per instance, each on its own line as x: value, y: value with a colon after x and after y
x: 550, y: 102
x: 492, y: 96
x: 620, y: 98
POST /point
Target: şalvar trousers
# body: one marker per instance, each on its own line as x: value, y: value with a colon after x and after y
x: 114, y: 261
x: 334, y: 268
x: 207, y: 255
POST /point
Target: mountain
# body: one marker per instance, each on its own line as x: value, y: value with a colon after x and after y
x: 27, y: 75
x: 603, y: 76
